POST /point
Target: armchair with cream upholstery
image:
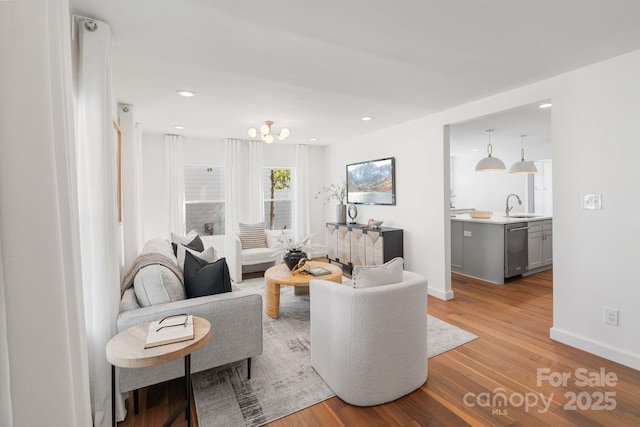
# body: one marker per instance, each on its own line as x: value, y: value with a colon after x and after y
x: 370, y: 344
x: 254, y: 259
x: 259, y: 259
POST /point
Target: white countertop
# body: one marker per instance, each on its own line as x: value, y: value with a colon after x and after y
x: 498, y: 218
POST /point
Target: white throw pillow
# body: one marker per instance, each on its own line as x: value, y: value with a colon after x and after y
x: 378, y: 275
x: 210, y: 255
x: 184, y: 240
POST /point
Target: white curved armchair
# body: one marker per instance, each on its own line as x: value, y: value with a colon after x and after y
x: 370, y: 345
x: 259, y: 259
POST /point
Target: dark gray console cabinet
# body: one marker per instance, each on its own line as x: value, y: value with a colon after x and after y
x: 354, y: 244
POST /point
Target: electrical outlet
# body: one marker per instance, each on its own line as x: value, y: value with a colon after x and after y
x: 611, y: 316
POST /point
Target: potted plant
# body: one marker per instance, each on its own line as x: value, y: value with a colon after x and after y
x: 337, y: 192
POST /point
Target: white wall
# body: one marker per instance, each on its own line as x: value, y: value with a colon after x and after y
x: 594, y: 143
x: 488, y: 191
x: 420, y: 197
x: 485, y: 191
x: 594, y: 122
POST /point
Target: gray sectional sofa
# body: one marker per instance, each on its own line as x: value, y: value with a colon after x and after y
x: 235, y: 317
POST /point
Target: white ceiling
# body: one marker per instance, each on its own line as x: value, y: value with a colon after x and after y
x: 318, y: 67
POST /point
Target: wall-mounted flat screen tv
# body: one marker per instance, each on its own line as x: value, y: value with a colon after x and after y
x: 372, y: 182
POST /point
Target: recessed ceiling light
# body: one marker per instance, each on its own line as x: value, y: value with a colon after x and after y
x: 186, y: 93
x: 313, y: 139
x: 475, y: 149
x: 545, y: 105
x: 180, y: 127
x: 366, y: 118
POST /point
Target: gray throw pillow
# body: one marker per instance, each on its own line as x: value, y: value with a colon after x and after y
x: 378, y: 275
x: 156, y: 284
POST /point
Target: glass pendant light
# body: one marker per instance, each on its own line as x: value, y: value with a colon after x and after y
x: 523, y: 166
x: 490, y: 163
x: 265, y: 132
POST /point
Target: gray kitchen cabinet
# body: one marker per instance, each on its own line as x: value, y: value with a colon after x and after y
x: 457, y: 228
x: 535, y: 245
x: 547, y: 242
x: 540, y: 245
x: 477, y: 250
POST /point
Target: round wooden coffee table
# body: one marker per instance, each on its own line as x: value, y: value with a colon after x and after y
x: 281, y: 275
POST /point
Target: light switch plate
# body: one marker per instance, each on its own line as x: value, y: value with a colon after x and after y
x: 592, y: 201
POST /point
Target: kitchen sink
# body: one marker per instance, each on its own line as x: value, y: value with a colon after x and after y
x: 522, y: 216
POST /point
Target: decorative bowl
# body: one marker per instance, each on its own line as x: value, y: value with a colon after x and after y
x: 374, y: 224
x: 480, y: 214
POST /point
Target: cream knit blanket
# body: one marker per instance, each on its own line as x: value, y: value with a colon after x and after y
x: 152, y: 258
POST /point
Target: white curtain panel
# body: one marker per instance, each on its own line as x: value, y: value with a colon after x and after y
x: 174, y: 185
x: 253, y: 203
x: 301, y: 206
x: 6, y: 418
x: 231, y: 184
x: 131, y: 184
x: 243, y: 183
x: 97, y: 180
x: 44, y: 376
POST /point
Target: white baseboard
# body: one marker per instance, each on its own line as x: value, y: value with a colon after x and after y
x: 537, y: 270
x: 446, y: 296
x: 605, y: 351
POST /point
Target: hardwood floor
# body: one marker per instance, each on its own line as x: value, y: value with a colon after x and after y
x: 512, y: 322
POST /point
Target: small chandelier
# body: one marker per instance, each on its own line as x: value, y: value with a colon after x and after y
x: 523, y: 166
x: 490, y: 163
x: 265, y: 132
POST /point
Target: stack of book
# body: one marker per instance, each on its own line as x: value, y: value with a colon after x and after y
x: 171, y: 329
x: 318, y: 271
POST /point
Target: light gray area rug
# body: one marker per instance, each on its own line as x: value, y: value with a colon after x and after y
x: 283, y: 381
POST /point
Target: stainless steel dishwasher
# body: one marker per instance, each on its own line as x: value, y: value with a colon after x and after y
x: 516, y: 248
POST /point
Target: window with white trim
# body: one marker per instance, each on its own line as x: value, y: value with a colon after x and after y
x: 277, y: 184
x: 204, y: 199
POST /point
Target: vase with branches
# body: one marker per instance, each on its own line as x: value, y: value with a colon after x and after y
x: 292, y: 251
x: 338, y: 192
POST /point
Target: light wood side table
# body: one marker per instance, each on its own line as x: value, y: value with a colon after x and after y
x: 281, y: 275
x: 126, y: 350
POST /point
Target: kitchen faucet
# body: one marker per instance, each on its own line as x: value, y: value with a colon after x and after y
x: 507, y: 208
